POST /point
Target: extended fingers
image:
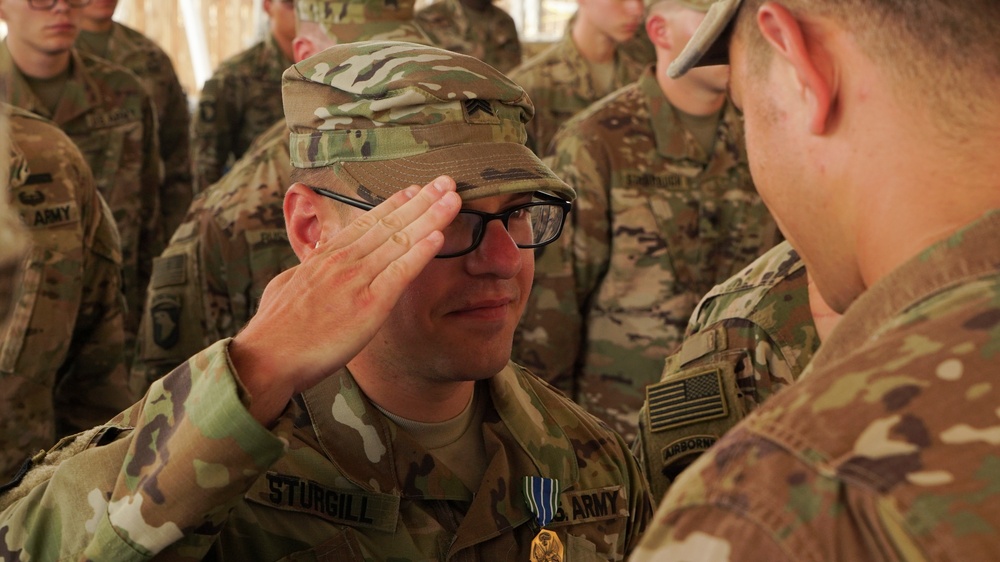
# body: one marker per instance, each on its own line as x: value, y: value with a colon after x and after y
x: 403, y: 220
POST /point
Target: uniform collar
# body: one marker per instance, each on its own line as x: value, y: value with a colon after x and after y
x: 371, y: 452
x: 81, y: 94
x: 972, y: 252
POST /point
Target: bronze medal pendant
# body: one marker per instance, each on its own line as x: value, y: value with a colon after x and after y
x: 546, y: 547
x: 542, y: 497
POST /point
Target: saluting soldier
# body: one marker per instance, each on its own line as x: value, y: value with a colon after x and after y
x: 369, y: 409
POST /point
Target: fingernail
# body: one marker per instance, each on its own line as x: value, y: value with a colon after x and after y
x: 409, y: 192
x: 440, y: 185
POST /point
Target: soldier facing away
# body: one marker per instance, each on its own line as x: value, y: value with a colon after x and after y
x: 473, y: 27
x: 666, y: 210
x: 122, y: 45
x: 233, y: 240
x: 872, y: 130
x: 369, y: 409
x: 242, y: 98
x: 583, y: 67
x: 108, y: 114
x: 62, y: 357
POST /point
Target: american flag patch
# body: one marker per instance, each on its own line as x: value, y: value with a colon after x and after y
x: 692, y: 399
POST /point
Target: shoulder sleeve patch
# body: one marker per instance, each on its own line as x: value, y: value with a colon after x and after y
x: 169, y: 270
x: 694, y: 398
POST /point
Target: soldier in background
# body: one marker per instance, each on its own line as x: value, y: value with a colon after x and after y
x: 62, y: 362
x: 242, y: 99
x: 583, y: 67
x: 209, y: 280
x: 369, y: 409
x: 122, y: 45
x: 107, y: 112
x: 872, y: 131
x: 473, y: 27
x: 750, y: 337
x: 666, y: 210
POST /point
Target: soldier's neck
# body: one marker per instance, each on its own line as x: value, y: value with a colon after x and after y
x: 37, y: 64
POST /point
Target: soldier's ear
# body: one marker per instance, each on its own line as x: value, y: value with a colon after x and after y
x: 305, y: 218
x: 658, y: 31
x: 303, y: 48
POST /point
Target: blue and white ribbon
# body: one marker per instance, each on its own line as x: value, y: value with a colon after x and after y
x: 542, y: 497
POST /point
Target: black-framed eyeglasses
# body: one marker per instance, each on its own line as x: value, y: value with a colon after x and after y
x: 530, y: 225
x: 47, y: 4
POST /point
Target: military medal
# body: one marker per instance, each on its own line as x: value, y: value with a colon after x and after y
x: 542, y: 497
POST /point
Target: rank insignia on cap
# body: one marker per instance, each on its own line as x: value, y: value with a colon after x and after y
x: 692, y: 399
x: 479, y: 111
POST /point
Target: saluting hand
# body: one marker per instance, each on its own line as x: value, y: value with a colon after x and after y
x: 316, y: 316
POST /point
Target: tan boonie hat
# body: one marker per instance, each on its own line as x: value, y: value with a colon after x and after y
x: 709, y: 45
x: 385, y: 115
x: 348, y: 21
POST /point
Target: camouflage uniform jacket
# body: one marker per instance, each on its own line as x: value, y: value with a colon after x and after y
x: 62, y: 363
x: 206, y: 284
x: 240, y: 101
x: 187, y: 473
x: 489, y: 36
x: 657, y: 223
x: 748, y: 338
x: 885, y: 449
x: 109, y: 115
x: 559, y: 83
x: 140, y: 54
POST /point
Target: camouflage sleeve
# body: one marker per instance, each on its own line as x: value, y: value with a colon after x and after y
x: 175, y: 149
x: 176, y: 321
x: 212, y: 131
x: 94, y: 384
x: 164, y: 473
x: 550, y: 336
x: 152, y: 239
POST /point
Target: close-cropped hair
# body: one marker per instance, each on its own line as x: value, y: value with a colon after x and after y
x: 944, y: 51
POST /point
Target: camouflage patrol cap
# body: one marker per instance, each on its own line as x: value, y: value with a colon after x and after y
x: 348, y: 21
x: 385, y: 115
x: 710, y: 43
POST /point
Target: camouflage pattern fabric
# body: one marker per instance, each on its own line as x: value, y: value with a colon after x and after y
x: 12, y: 236
x: 908, y: 379
x: 559, y: 83
x: 207, y: 283
x: 138, y: 53
x: 750, y: 337
x: 350, y: 21
x: 238, y: 103
x: 490, y: 35
x: 656, y: 225
x: 62, y: 362
x: 335, y: 479
x: 109, y: 115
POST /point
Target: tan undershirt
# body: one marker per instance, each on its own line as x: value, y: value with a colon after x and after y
x: 702, y: 127
x: 457, y: 443
x: 603, y: 76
